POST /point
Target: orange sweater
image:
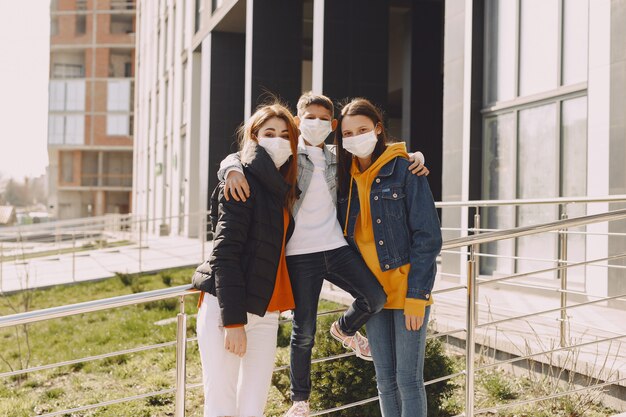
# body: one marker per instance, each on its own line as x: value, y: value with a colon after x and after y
x: 282, y: 297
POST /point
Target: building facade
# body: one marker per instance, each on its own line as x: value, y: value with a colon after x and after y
x: 508, y: 99
x: 90, y: 122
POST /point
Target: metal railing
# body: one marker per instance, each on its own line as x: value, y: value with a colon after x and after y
x: 471, y: 325
x: 68, y: 240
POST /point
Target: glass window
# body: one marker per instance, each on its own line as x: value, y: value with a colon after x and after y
x: 216, y: 4
x: 56, y: 129
x: 81, y: 24
x: 198, y: 14
x: 575, y: 40
x: 183, y: 94
x: 57, y: 96
x: 158, y: 53
x: 121, y: 24
x: 122, y: 4
x: 89, y: 168
x: 166, y: 48
x: 117, y: 125
x: 67, y: 64
x: 118, y: 95
x: 166, y: 94
x: 500, y: 69
x: 120, y: 63
x: 183, y: 25
x: 174, y: 45
x: 499, y: 176
x: 54, y: 26
x: 538, y: 45
x: 75, y: 95
x: 574, y: 176
x: 574, y: 147
x: 67, y: 167
x: 538, y: 160
x: 75, y: 130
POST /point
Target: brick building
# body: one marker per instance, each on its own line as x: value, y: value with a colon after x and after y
x: 90, y: 124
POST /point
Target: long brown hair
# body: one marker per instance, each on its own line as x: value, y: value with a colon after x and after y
x: 357, y: 107
x: 248, y: 135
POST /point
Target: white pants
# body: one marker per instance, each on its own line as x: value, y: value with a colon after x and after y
x: 235, y: 386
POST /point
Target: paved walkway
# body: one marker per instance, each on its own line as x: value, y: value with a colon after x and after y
x: 156, y: 253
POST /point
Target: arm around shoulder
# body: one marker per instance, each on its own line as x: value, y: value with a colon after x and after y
x: 231, y: 162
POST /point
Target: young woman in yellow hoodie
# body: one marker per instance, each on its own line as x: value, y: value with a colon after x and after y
x: 389, y: 216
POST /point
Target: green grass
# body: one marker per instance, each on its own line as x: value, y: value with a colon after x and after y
x: 101, y: 332
x: 496, y: 387
x: 92, y: 334
x: 131, y: 374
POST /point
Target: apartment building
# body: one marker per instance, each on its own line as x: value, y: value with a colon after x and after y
x: 167, y: 179
x: 90, y: 122
x: 508, y: 99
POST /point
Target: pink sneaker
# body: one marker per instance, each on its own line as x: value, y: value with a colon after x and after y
x: 358, y: 343
x: 299, y: 409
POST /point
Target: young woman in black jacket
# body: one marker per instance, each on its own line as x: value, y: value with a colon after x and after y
x: 245, y: 283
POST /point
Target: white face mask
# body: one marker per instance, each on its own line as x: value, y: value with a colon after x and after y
x: 361, y: 145
x: 279, y: 149
x: 315, y: 130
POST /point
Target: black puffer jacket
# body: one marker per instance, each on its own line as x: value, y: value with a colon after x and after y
x: 241, y: 270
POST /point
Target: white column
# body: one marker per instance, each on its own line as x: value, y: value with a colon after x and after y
x: 456, y: 125
x: 205, y: 103
x: 598, y: 134
x: 197, y: 182
x: 318, y: 46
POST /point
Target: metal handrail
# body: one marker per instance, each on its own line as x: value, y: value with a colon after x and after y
x: 95, y: 305
x: 126, y: 300
x: 532, y: 230
x: 182, y: 291
x: 527, y: 201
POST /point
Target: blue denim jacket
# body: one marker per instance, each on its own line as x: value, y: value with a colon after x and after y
x: 405, y: 222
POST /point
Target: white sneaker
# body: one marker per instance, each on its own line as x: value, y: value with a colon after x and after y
x: 358, y: 343
x: 299, y: 409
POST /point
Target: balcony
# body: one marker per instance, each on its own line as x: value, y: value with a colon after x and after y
x: 107, y: 180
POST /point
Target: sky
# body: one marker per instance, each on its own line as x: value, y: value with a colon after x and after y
x: 24, y: 62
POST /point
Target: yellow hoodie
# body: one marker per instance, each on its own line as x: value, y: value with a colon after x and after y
x: 395, y: 281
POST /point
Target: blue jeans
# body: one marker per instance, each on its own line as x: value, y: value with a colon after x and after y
x: 344, y: 268
x: 399, y: 362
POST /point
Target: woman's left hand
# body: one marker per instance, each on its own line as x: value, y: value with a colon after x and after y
x: 413, y: 322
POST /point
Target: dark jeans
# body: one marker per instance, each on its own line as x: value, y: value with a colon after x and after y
x: 344, y: 268
x: 399, y: 362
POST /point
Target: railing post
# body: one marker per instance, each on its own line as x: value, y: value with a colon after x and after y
x: 1, y: 262
x: 476, y: 260
x: 56, y: 240
x: 181, y: 345
x: 562, y: 275
x: 469, y: 341
x: 140, y: 239
x: 73, y: 256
